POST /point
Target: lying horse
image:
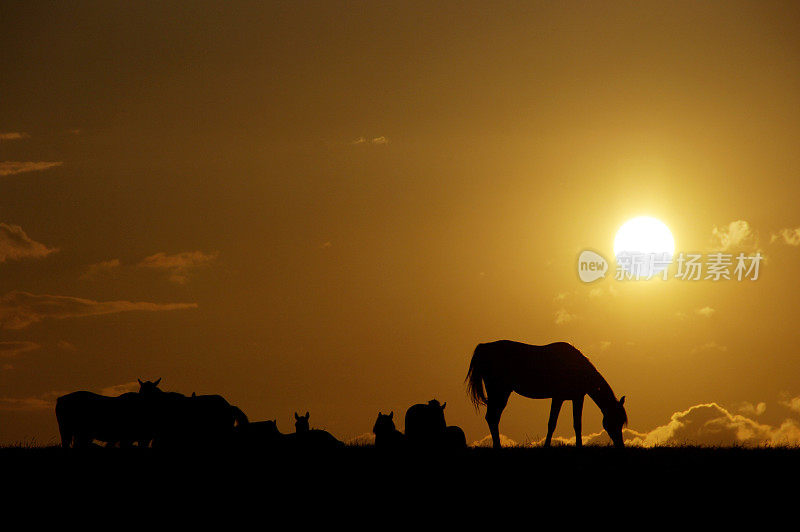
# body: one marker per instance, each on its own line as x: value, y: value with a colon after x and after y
x: 307, y: 438
x: 427, y: 428
x: 386, y: 435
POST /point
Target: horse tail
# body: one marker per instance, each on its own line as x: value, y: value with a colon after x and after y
x: 238, y: 416
x: 475, y: 377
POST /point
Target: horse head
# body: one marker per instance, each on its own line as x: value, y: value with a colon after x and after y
x: 614, y: 418
x: 149, y: 387
x: 384, y: 424
x: 301, y: 423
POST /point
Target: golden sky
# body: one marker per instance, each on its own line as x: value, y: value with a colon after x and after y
x: 326, y: 206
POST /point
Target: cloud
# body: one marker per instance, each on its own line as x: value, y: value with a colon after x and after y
x: 737, y: 235
x: 13, y: 349
x: 751, y: 409
x: 604, y: 344
x: 486, y: 441
x: 178, y: 265
x: 66, y: 346
x: 706, y: 311
x: 119, y: 389
x: 562, y: 316
x: 21, y: 309
x: 101, y: 268
x: 45, y: 401
x: 792, y: 404
x: 704, y: 425
x: 709, y: 346
x: 598, y: 291
x: 15, y: 244
x: 18, y: 167
x: 374, y: 140
x: 13, y: 135
x: 789, y: 236
x: 712, y: 425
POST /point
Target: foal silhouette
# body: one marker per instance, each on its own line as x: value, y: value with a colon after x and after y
x: 386, y: 434
x: 558, y: 371
x: 307, y: 437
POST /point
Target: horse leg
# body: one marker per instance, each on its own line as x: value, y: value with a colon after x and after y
x: 495, y: 404
x: 555, y: 408
x: 577, y: 411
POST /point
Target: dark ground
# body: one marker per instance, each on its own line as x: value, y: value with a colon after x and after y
x: 360, y: 483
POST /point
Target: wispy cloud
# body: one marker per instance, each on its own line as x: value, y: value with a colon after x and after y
x: 736, y: 236
x: 101, y: 268
x: 790, y: 237
x: 706, y: 311
x: 15, y: 244
x: 13, y: 135
x: 709, y: 346
x: 21, y: 309
x: 750, y: 409
x: 563, y: 316
x: 178, y: 265
x: 14, y: 349
x: 371, y: 140
x: 792, y: 404
x: 119, y: 389
x: 486, y: 441
x: 18, y: 167
x: 47, y: 401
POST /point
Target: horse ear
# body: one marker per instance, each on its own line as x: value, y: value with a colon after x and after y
x: 156, y: 383
x: 296, y: 416
x: 391, y: 414
x: 444, y: 405
x: 307, y: 415
x: 140, y: 381
x: 622, y: 401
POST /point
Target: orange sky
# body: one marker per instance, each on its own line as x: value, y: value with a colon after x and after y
x: 325, y: 207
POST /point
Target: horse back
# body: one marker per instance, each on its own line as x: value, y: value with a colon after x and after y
x: 539, y: 371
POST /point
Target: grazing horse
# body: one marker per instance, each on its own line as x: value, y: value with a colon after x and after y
x: 386, y: 434
x: 306, y: 437
x: 558, y: 371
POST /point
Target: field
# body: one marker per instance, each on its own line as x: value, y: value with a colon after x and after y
x: 594, y: 473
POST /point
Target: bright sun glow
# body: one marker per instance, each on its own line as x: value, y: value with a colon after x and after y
x: 644, y: 235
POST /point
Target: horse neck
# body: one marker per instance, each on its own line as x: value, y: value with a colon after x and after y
x: 602, y: 394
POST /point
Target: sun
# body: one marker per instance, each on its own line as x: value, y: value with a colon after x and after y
x: 644, y: 235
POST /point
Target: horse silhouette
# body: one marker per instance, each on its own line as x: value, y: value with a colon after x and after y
x: 199, y: 420
x: 308, y: 438
x: 387, y: 437
x: 427, y: 428
x: 425, y: 423
x: 85, y: 416
x: 557, y: 371
x: 259, y: 435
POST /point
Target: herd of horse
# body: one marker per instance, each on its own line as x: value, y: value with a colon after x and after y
x: 153, y: 417
x: 157, y: 418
